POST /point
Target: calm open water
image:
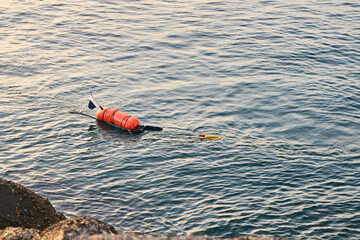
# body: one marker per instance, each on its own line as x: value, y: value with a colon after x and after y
x: 279, y: 80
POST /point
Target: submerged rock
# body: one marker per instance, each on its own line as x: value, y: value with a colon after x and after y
x: 76, y: 228
x: 21, y: 207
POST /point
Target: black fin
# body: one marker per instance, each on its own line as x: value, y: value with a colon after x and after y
x: 152, y: 128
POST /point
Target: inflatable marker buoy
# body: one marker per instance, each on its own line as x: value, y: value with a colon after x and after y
x: 117, y: 118
x: 203, y: 136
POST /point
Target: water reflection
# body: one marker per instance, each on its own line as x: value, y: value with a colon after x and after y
x: 107, y: 132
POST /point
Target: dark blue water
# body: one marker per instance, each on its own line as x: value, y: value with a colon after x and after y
x: 278, y: 80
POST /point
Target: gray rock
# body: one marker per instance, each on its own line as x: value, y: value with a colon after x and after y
x: 76, y: 228
x: 21, y: 207
x: 11, y: 233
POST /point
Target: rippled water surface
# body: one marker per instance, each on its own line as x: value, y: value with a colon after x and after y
x: 279, y: 80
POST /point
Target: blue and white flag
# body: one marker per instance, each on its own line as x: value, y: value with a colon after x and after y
x: 93, y: 103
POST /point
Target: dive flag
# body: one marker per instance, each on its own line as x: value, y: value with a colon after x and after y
x: 93, y: 103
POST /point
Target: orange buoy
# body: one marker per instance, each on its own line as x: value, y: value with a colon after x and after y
x: 118, y: 118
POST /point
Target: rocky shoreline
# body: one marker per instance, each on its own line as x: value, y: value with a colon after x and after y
x: 28, y: 216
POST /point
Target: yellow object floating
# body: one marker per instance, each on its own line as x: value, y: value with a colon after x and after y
x: 203, y: 136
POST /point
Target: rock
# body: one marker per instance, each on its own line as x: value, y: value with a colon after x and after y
x: 11, y: 233
x: 21, y: 207
x: 76, y: 228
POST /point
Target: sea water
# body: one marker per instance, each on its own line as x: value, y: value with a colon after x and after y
x: 278, y: 80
